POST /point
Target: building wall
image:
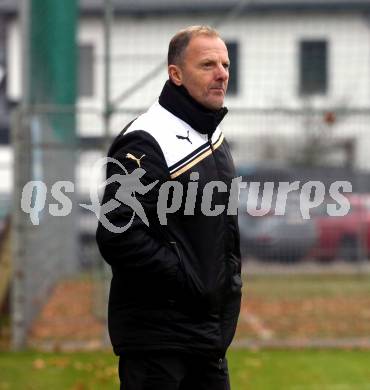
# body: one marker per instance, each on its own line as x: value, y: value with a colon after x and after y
x: 268, y: 74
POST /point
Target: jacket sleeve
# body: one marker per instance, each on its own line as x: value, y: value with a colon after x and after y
x: 140, y: 248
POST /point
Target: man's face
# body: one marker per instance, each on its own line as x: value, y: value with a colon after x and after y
x: 204, y: 71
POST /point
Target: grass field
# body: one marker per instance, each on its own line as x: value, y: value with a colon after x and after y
x: 259, y: 370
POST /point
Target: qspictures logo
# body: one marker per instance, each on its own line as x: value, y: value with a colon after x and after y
x: 172, y: 195
x: 129, y: 185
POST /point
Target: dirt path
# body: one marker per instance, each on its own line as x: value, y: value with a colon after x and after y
x: 68, y: 318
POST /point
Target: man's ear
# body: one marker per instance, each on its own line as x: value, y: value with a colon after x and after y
x: 175, y: 74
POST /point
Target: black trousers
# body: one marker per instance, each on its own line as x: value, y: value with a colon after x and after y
x: 172, y: 371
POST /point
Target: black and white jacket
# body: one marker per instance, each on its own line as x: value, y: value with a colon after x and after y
x: 175, y: 286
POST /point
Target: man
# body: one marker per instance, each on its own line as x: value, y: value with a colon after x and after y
x: 176, y: 287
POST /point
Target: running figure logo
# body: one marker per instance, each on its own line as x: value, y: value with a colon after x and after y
x: 128, y: 185
x: 185, y: 138
x: 132, y: 157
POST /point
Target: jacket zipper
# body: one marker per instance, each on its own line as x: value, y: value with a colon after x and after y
x: 226, y: 227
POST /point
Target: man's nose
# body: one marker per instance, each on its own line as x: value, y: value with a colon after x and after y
x: 222, y: 73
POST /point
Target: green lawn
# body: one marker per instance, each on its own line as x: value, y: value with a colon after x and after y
x: 261, y: 370
x: 300, y: 370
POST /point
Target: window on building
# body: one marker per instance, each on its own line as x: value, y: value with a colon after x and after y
x: 232, y: 48
x: 313, y: 67
x: 86, y: 71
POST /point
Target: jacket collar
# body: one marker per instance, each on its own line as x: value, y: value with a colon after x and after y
x: 178, y: 101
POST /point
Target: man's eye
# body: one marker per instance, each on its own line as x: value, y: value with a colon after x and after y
x: 226, y: 66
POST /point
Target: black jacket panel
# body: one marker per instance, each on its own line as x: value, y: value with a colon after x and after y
x: 175, y: 286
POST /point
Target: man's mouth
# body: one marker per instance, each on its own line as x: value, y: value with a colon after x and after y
x: 219, y: 89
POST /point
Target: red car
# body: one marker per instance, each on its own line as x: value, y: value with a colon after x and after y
x: 344, y: 237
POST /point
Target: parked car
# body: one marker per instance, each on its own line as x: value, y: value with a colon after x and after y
x: 343, y: 237
x: 266, y: 236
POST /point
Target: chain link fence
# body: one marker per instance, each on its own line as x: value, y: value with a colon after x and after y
x: 296, y: 113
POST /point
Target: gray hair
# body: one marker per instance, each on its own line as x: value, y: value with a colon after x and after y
x: 181, y: 39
